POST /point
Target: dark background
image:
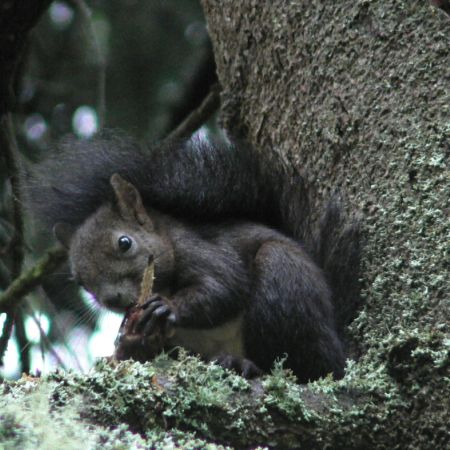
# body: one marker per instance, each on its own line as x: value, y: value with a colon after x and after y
x: 137, y: 65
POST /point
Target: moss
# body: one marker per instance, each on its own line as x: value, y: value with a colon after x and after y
x: 51, y: 413
x: 28, y: 422
x: 187, y: 403
x: 282, y: 393
x: 185, y: 394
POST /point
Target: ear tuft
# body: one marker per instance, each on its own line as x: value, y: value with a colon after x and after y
x: 120, y: 186
x: 117, y: 181
x: 64, y: 233
x: 128, y: 200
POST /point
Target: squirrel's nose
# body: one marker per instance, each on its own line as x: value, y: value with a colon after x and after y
x: 113, y: 301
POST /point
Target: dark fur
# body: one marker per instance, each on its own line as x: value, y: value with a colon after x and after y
x: 193, y: 179
x: 243, y: 267
x: 213, y: 182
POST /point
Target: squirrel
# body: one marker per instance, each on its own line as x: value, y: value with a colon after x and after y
x: 239, y: 275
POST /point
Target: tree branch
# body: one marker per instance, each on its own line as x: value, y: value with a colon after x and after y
x: 196, y: 88
x: 6, y: 334
x: 17, y: 18
x: 22, y: 340
x: 30, y: 279
x: 48, y: 344
x: 15, y: 245
x: 198, y: 116
x: 9, y: 146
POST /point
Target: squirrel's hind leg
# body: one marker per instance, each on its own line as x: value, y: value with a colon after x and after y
x: 290, y: 313
x: 243, y: 366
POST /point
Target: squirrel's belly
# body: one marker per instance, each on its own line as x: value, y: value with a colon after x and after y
x: 226, y: 338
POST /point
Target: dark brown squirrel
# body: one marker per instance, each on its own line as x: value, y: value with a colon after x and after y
x: 233, y: 289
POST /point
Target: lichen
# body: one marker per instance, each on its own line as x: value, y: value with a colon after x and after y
x: 190, y: 404
x: 355, y: 96
x: 51, y: 413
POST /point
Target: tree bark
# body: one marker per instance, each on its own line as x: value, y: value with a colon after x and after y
x: 355, y: 95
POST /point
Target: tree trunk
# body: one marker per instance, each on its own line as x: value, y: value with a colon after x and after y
x: 356, y: 95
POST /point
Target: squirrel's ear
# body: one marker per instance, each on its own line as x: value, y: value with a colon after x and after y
x: 128, y: 200
x: 63, y: 233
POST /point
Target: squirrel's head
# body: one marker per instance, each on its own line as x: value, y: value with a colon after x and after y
x: 109, y: 252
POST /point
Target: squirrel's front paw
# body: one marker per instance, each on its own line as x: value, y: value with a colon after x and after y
x: 157, y: 315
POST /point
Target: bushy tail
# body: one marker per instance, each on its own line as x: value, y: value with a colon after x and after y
x: 331, y: 236
x: 203, y: 181
x: 195, y: 179
x: 338, y: 252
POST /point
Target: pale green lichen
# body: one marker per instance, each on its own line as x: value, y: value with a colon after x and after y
x: 29, y: 420
x: 283, y: 393
x: 163, y: 399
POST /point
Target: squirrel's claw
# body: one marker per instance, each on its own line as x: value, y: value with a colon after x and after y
x: 156, y: 315
x: 154, y: 298
x: 243, y: 366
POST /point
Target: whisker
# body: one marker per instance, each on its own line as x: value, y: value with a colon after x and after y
x: 61, y: 335
x: 44, y: 339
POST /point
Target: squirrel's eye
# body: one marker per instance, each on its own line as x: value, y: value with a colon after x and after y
x: 124, y: 243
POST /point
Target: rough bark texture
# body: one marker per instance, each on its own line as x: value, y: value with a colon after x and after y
x: 356, y: 95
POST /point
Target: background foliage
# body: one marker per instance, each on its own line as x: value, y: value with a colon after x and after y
x: 136, y: 65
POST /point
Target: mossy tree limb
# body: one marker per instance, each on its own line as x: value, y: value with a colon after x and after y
x: 169, y: 400
x: 32, y: 278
